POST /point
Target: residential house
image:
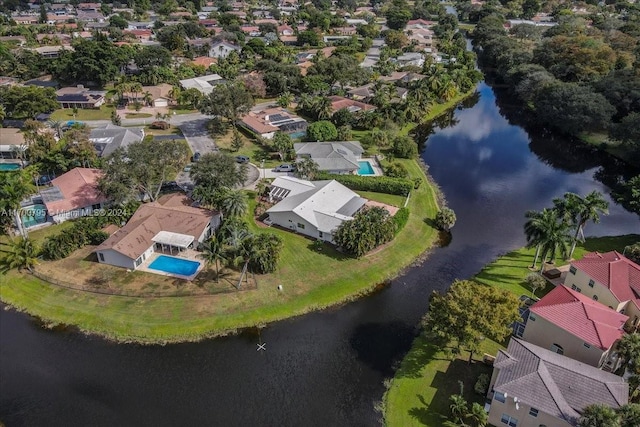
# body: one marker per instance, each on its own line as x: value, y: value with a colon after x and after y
x: 11, y: 143
x: 140, y: 35
x: 208, y: 23
x: 204, y: 84
x: 367, y: 92
x: 402, y: 77
x: 312, y: 208
x: 204, y: 61
x: 73, y: 194
x: 570, y: 323
x: 26, y: 19
x: 133, y: 25
x: 340, y: 157
x: 271, y: 120
x: 340, y: 102
x: 51, y: 52
x: 106, y: 139
x: 159, y: 95
x: 532, y: 386
x: 410, y: 58
x: 80, y: 97
x: 90, y: 16
x: 609, y: 278
x: 222, y: 49
x: 170, y: 224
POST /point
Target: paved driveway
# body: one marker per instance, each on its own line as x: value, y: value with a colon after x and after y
x: 197, y: 136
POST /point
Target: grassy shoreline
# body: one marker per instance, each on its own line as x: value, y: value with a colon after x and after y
x: 419, y: 392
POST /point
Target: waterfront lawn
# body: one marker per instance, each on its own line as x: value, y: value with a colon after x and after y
x: 66, y: 114
x: 421, y: 387
x: 389, y: 199
x: 311, y: 280
x: 427, y: 377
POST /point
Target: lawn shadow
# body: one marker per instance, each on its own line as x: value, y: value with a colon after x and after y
x: 424, y: 352
x: 606, y: 244
x: 327, y: 249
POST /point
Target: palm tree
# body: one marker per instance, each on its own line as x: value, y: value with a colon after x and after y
x: 174, y: 94
x: 244, y: 253
x: 214, y: 253
x: 533, y: 230
x: 629, y: 349
x: 554, y: 238
x: 234, y: 204
x: 307, y: 168
x: 445, y: 219
x: 14, y: 189
x: 148, y: 99
x: 285, y: 100
x: 412, y: 110
x: 135, y: 88
x: 458, y: 406
x: 322, y: 107
x: 579, y: 211
x: 57, y: 126
x: 3, y: 114
x: 478, y: 415
x: 22, y: 254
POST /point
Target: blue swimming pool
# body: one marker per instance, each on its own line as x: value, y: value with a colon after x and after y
x: 365, y: 169
x: 33, y: 215
x: 9, y: 167
x: 173, y: 265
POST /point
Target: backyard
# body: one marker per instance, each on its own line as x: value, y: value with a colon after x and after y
x: 420, y: 390
x: 311, y: 279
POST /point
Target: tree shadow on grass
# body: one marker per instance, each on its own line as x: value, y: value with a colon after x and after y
x: 425, y: 350
x: 327, y: 249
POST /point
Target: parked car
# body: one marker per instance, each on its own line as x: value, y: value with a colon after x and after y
x: 285, y: 168
x: 196, y: 156
x: 242, y: 159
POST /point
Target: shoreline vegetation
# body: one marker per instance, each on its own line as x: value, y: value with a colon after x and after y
x: 328, y: 278
x: 418, y: 394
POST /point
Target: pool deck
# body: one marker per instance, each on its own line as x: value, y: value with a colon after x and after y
x: 188, y: 254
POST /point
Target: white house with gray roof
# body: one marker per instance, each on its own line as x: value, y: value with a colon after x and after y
x: 204, y: 84
x: 532, y: 387
x: 106, y: 139
x: 312, y: 208
x: 339, y: 157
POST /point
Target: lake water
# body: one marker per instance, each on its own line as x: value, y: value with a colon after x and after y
x: 322, y: 369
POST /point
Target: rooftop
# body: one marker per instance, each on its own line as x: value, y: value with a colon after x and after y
x: 72, y: 190
x: 613, y: 270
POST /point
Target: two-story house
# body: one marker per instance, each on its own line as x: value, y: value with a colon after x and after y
x: 535, y: 387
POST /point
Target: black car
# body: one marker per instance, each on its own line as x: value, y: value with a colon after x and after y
x: 242, y: 159
x: 196, y: 156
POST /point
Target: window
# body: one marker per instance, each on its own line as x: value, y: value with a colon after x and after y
x: 586, y: 345
x: 499, y: 397
x: 138, y: 261
x: 557, y: 349
x: 101, y: 256
x: 591, y: 283
x: 595, y: 297
x: 572, y: 270
x: 320, y: 234
x: 300, y: 225
x: 509, y: 420
x: 533, y: 412
x: 574, y: 287
x: 532, y: 317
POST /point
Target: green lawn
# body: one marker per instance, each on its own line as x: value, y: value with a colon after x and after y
x: 389, y: 199
x: 65, y: 114
x: 311, y: 279
x: 137, y: 115
x: 420, y: 390
x: 251, y: 148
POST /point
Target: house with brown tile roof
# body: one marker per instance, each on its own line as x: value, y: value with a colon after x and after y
x: 271, y: 120
x: 340, y: 102
x: 532, y: 386
x: 170, y: 224
x: 11, y: 143
x: 73, y: 194
x: 572, y: 324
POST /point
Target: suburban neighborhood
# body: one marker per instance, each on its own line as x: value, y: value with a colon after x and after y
x: 174, y: 172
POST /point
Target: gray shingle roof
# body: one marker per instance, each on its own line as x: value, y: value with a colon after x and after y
x: 110, y: 137
x: 555, y: 384
x: 331, y: 156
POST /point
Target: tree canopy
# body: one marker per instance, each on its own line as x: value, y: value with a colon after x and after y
x: 228, y: 100
x: 369, y: 229
x: 459, y: 319
x: 27, y: 101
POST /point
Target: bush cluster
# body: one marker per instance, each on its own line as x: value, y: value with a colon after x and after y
x: 84, y: 231
x: 378, y: 184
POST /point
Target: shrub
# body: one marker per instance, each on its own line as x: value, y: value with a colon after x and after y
x: 323, y: 130
x: 377, y: 184
x: 417, y: 182
x: 396, y: 170
x: 482, y: 384
x: 400, y: 218
x: 405, y: 147
x: 160, y: 125
x: 85, y: 231
x: 445, y: 219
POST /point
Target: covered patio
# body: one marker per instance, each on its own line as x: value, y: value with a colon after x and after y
x: 169, y: 242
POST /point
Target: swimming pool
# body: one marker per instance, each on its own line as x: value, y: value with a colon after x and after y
x: 300, y: 135
x: 365, y: 168
x: 173, y: 265
x: 9, y: 167
x: 33, y: 215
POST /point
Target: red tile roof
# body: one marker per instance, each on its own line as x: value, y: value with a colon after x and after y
x: 613, y: 270
x: 79, y: 187
x: 592, y: 322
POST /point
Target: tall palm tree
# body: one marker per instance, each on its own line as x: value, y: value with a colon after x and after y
x: 214, y: 253
x: 306, y: 102
x: 322, y: 107
x: 148, y: 99
x: 533, y: 230
x: 285, y: 99
x: 15, y: 188
x: 56, y: 125
x: 22, y: 254
x: 554, y: 238
x: 234, y: 203
x: 580, y: 210
x: 458, y: 406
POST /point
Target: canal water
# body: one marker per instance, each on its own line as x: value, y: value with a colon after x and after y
x: 322, y: 369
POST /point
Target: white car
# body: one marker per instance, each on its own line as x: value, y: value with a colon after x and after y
x: 285, y: 168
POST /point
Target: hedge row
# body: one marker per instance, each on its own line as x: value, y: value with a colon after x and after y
x: 400, y: 218
x: 377, y: 184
